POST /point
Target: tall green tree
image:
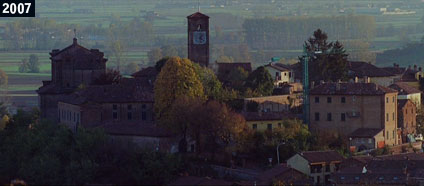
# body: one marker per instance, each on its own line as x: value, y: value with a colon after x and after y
x: 328, y: 60
x: 33, y: 64
x: 260, y: 81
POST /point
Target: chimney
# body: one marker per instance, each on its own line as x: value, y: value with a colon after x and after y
x: 312, y: 84
x: 415, y: 67
x: 366, y: 79
x: 321, y: 82
x: 356, y: 79
x: 420, y: 69
x: 75, y: 41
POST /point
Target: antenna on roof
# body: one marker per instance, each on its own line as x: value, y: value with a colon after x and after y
x: 75, y: 36
x: 198, y: 5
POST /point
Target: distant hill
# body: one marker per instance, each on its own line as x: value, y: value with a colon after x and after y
x: 411, y: 54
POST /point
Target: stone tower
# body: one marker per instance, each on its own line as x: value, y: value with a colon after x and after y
x: 198, y: 38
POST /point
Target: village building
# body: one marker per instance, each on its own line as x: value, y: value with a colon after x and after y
x: 407, y: 92
x: 282, y: 74
x: 72, y: 67
x: 408, y: 74
x: 346, y: 107
x: 400, y: 169
x: 407, y: 119
x: 366, y: 139
x: 366, y: 72
x: 316, y: 164
x: 266, y: 121
x: 277, y: 103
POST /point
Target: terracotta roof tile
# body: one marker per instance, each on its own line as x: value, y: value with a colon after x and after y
x: 362, y: 69
x: 350, y: 89
x: 365, y: 132
x: 197, y: 15
x: 404, y: 88
x: 321, y: 156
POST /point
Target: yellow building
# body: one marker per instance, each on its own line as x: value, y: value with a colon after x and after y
x: 262, y: 121
x: 346, y: 107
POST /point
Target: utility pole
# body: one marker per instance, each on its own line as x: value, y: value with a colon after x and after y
x: 305, y: 86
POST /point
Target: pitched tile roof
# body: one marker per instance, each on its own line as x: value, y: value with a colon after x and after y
x: 80, y: 57
x: 395, y: 70
x: 321, y: 156
x: 197, y: 15
x: 279, y: 66
x: 362, y: 69
x: 365, y: 132
x: 350, y: 89
x: 404, y: 89
x: 127, y: 91
x: 146, y: 72
x: 267, y: 116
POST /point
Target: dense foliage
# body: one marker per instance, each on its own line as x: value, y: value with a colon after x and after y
x: 43, y: 153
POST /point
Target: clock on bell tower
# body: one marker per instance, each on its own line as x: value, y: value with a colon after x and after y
x: 198, y: 38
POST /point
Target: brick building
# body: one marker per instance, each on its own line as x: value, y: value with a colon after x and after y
x: 407, y: 118
x: 346, y: 107
x: 408, y: 92
x: 71, y: 67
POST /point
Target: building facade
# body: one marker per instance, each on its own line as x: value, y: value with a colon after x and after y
x: 71, y: 67
x: 198, y: 38
x: 407, y: 92
x: 407, y: 118
x: 346, y: 107
x: 282, y: 74
x: 316, y: 164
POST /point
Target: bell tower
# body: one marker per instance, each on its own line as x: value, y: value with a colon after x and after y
x: 198, y: 38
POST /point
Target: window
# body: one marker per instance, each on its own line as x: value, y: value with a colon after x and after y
x: 328, y: 99
x: 343, y: 117
x: 387, y: 135
x: 387, y: 99
x: 290, y: 74
x: 115, y: 111
x: 285, y: 73
x: 393, y: 115
x: 254, y: 126
x: 316, y: 99
x: 343, y: 100
x: 327, y: 168
x: 369, y: 140
x: 387, y: 116
x: 129, y: 115
x: 115, y: 115
x: 316, y: 116
x: 143, y: 106
x: 143, y: 116
x: 328, y: 116
x: 269, y: 126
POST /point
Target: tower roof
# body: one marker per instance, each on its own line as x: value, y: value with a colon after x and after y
x: 197, y: 15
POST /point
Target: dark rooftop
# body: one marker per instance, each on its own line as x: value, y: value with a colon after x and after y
x: 321, y: 156
x: 192, y: 180
x: 279, y: 66
x: 146, y: 72
x: 365, y: 132
x: 362, y: 69
x: 127, y: 91
x: 197, y: 15
x: 267, y: 116
x: 350, y: 89
x: 404, y: 88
